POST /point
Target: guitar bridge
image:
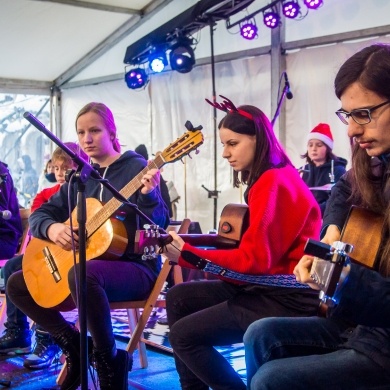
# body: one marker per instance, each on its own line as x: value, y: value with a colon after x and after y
x: 51, y: 264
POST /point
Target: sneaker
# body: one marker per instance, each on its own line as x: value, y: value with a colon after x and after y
x: 45, y: 351
x: 15, y: 341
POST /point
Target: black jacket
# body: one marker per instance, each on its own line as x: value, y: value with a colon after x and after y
x: 365, y: 296
x: 319, y: 176
x: 10, y: 229
x: 119, y: 174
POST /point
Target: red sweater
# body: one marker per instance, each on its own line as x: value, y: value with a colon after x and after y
x: 43, y: 196
x: 283, y: 214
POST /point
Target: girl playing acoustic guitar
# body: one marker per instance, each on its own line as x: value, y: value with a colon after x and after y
x: 127, y: 278
x: 283, y: 214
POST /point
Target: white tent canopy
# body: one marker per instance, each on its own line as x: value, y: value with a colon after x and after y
x: 48, y: 43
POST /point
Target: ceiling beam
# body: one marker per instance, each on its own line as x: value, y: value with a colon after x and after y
x: 95, y: 6
x: 122, y: 32
x: 294, y: 45
x: 337, y: 38
x: 29, y: 87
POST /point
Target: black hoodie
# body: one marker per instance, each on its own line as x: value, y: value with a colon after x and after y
x: 119, y: 174
x: 319, y: 176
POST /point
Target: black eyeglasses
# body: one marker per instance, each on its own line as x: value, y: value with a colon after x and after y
x: 361, y: 116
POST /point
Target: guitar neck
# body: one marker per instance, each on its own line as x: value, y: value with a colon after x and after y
x: 209, y: 240
x: 129, y: 189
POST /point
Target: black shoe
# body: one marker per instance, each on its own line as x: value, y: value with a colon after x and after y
x: 44, y: 353
x: 15, y: 341
x: 113, y: 371
x: 163, y: 320
x: 69, y: 342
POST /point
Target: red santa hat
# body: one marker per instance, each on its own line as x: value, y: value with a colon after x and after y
x: 322, y: 132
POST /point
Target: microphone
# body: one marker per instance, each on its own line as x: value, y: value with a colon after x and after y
x: 5, y: 214
x: 289, y: 94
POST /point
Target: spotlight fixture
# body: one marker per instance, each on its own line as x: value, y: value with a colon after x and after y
x: 313, y: 4
x: 182, y: 57
x: 158, y: 61
x: 248, y: 30
x: 291, y: 9
x: 271, y: 19
x: 136, y: 78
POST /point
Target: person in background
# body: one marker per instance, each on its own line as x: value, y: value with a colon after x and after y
x: 141, y: 149
x: 29, y: 179
x: 125, y: 279
x: 17, y: 336
x: 283, y: 214
x: 322, y: 168
x: 10, y: 223
x: 47, y: 178
x: 350, y: 348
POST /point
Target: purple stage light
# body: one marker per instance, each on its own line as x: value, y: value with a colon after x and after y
x: 136, y: 78
x: 248, y: 30
x: 313, y: 4
x: 271, y: 19
x: 290, y: 9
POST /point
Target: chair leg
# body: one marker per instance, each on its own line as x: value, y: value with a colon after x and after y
x: 134, y: 316
x: 3, y: 311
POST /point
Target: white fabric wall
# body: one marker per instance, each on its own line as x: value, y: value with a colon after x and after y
x: 156, y: 116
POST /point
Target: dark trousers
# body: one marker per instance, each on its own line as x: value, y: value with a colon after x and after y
x: 107, y: 281
x: 202, y: 315
x: 15, y: 317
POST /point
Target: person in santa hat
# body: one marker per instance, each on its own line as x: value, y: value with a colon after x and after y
x: 323, y: 167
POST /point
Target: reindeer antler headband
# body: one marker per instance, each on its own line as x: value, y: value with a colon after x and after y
x: 228, y: 106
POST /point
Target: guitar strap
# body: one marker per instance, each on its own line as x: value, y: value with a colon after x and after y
x: 265, y: 280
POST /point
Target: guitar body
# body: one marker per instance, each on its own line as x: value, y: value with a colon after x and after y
x: 109, y: 241
x: 363, y: 230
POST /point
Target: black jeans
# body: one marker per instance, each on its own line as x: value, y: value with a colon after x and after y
x: 107, y: 281
x: 202, y: 315
x: 199, y: 319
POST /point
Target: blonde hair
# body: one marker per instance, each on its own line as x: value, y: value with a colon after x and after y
x: 108, y: 118
x: 60, y: 154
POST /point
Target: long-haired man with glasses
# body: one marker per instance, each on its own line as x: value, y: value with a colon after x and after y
x: 350, y: 348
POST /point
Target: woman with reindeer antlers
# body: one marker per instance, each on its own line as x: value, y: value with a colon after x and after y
x: 283, y: 214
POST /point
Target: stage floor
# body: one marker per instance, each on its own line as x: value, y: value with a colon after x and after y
x: 160, y: 373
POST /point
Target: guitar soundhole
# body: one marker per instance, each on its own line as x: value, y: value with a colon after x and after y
x: 226, y: 227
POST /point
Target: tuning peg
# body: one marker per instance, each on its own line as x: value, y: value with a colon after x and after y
x: 189, y: 155
x: 197, y: 151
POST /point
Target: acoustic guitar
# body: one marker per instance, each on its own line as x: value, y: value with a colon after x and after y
x: 46, y: 266
x: 233, y: 222
x: 360, y: 242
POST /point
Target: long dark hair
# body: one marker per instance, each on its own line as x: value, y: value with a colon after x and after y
x: 268, y: 154
x: 370, y: 187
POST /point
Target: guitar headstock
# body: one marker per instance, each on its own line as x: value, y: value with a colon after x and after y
x: 147, y: 242
x: 185, y: 144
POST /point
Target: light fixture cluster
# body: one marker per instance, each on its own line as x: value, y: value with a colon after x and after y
x: 290, y: 8
x: 181, y: 59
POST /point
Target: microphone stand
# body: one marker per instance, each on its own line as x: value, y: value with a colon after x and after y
x: 83, y: 173
x: 282, y: 97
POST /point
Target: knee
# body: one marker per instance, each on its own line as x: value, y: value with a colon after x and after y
x: 11, y: 266
x: 266, y: 378
x: 258, y: 330
x: 13, y: 284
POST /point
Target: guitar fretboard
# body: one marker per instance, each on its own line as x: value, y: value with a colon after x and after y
x: 113, y: 204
